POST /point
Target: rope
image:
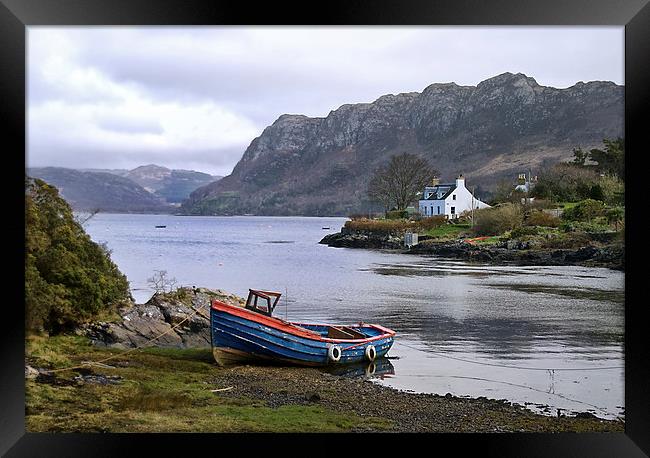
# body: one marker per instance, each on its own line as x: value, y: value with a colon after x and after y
x: 86, y: 363
x: 515, y: 367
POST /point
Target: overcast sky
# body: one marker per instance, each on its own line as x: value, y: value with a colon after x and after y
x: 194, y: 98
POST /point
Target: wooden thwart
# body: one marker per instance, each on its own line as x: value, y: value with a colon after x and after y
x: 344, y: 332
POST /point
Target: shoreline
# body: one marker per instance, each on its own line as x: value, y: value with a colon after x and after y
x: 245, y: 398
x: 513, y: 252
x: 179, y: 382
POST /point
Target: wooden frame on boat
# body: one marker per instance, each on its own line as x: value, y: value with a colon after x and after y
x: 255, y: 294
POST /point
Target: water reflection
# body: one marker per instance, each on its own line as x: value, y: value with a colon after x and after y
x: 379, y: 368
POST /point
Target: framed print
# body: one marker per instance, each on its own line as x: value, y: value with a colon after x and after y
x: 386, y: 219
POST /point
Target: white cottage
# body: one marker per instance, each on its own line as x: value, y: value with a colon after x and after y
x: 448, y: 199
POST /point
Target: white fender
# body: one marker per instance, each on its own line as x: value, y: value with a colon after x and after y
x: 371, y: 353
x: 334, y: 353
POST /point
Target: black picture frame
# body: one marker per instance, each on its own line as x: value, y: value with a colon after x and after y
x: 16, y: 15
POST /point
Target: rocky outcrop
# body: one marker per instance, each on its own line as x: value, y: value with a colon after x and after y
x: 164, y: 316
x: 510, y: 251
x: 320, y: 166
x: 523, y: 253
x: 363, y: 239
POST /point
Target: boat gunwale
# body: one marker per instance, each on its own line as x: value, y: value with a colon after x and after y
x: 294, y: 327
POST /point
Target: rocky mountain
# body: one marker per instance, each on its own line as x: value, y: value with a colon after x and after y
x: 497, y: 129
x: 173, y: 186
x: 100, y: 190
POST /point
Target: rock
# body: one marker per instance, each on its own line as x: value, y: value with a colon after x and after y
x: 163, y: 318
x: 363, y: 239
x: 525, y: 253
x: 30, y: 372
x: 98, y: 379
x: 312, y: 396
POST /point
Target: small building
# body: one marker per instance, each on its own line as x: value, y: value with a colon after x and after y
x: 525, y: 184
x: 449, y: 200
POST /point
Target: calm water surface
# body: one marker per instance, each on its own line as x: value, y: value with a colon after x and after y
x: 545, y: 337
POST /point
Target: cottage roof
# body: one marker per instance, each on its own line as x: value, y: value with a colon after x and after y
x: 444, y: 189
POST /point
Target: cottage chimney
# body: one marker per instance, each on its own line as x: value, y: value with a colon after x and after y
x: 460, y: 181
x: 435, y: 181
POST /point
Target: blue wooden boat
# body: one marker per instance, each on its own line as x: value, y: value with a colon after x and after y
x: 252, y: 333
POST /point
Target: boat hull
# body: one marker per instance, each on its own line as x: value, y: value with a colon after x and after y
x: 240, y: 335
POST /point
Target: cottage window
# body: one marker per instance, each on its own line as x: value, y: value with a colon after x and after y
x: 453, y: 210
x: 438, y: 209
x: 453, y: 197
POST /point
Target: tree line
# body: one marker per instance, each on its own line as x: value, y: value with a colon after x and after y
x: 598, y: 174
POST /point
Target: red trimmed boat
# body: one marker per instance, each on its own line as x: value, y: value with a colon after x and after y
x: 252, y: 333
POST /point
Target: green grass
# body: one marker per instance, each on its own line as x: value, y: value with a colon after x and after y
x: 449, y: 231
x: 162, y: 390
x: 488, y: 241
x: 566, y: 205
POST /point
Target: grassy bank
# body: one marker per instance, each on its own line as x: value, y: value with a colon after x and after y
x: 159, y: 390
x: 173, y: 390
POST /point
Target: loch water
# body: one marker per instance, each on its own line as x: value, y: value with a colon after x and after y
x: 545, y: 337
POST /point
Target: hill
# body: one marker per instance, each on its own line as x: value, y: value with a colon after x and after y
x: 173, y: 185
x: 497, y: 129
x: 100, y: 190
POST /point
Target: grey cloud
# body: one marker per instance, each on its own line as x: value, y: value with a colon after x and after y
x: 131, y: 125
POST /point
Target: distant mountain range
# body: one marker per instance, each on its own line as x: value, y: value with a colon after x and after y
x: 495, y: 130
x: 145, y: 189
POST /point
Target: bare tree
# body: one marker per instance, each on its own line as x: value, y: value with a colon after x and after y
x: 379, y: 189
x: 83, y: 218
x: 161, y: 283
x: 398, y: 182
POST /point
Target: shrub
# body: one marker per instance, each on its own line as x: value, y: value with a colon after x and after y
x: 356, y: 216
x: 542, y: 218
x: 524, y: 231
x: 613, y: 190
x: 395, y: 226
x: 570, y: 240
x: 586, y: 210
x: 497, y: 220
x: 397, y: 214
x: 385, y: 225
x: 542, y: 204
x: 565, y: 182
x: 431, y: 222
x: 69, y: 279
x: 585, y: 226
x: 615, y: 216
